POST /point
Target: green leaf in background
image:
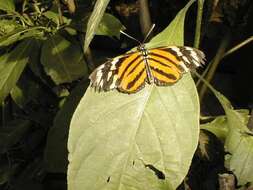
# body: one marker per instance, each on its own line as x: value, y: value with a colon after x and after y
x: 7, y: 26
x: 7, y: 170
x: 20, y: 34
x: 25, y: 91
x: 94, y: 21
x: 63, y: 61
x: 56, y: 149
x: 7, y: 5
x: 219, y: 127
x: 108, y: 26
x: 11, y: 67
x: 140, y: 141
x: 54, y: 16
x: 239, y: 142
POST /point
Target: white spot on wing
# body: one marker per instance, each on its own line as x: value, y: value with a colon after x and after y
x: 196, y: 63
x: 113, y: 64
x: 109, y: 75
x: 186, y: 59
x: 184, y: 67
x: 113, y: 82
x: 99, y: 75
x: 177, y: 50
x: 194, y: 55
x: 188, y: 48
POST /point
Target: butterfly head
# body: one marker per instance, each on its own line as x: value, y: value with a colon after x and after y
x: 141, y: 47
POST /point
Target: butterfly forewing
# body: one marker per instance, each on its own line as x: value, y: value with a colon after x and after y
x: 165, y: 67
x: 132, y: 74
x: 128, y: 73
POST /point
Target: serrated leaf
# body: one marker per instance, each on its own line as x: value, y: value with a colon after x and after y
x: 63, y: 61
x: 11, y: 67
x: 7, y: 5
x: 239, y: 142
x: 94, y: 21
x: 139, y: 141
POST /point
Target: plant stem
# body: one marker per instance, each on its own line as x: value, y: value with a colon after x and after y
x: 145, y: 20
x: 232, y: 50
x: 87, y: 55
x: 250, y: 122
x: 226, y: 181
x: 220, y: 53
x: 238, y: 46
x: 198, y: 23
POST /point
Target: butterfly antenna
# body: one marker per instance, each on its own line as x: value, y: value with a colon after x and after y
x: 149, y: 32
x: 130, y: 37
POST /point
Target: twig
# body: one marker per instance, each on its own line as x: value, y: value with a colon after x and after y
x: 215, y: 63
x: 238, y: 46
x: 145, y: 20
x: 226, y: 181
x: 230, y: 51
x: 198, y: 23
x: 250, y: 122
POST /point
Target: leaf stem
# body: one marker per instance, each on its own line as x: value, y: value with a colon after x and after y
x: 232, y: 50
x: 238, y: 46
x: 198, y: 23
x: 215, y: 63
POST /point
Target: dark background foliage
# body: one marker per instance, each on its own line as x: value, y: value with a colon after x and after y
x: 30, y: 138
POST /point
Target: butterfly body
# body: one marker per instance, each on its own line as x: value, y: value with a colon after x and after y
x: 161, y: 66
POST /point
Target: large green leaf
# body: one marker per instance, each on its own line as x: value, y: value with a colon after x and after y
x: 7, y: 5
x: 94, y: 21
x: 140, y: 141
x: 11, y: 67
x: 63, y: 61
x: 239, y: 142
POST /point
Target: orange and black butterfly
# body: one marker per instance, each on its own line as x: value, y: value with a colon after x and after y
x: 130, y: 72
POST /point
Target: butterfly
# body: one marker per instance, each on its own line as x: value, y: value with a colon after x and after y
x: 130, y: 72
